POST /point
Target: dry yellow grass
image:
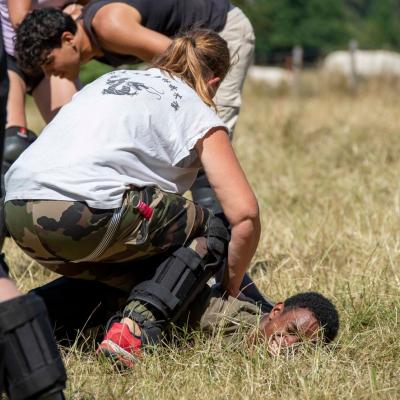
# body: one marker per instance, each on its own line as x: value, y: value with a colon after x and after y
x: 325, y: 168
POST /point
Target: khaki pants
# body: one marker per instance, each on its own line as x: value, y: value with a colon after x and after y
x: 239, y: 35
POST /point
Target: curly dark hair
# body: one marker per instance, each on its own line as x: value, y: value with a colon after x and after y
x: 38, y: 34
x: 322, y: 308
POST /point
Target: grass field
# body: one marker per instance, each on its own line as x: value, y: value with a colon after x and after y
x: 325, y: 168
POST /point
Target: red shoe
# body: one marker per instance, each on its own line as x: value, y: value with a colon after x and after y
x: 121, y: 345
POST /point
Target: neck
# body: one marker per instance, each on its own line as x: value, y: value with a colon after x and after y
x: 87, y: 49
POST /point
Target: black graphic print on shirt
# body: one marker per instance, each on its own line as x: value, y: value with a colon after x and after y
x: 118, y: 84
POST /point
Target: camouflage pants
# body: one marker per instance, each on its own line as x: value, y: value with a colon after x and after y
x: 57, y: 234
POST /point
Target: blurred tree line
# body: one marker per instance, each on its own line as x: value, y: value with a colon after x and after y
x: 321, y: 26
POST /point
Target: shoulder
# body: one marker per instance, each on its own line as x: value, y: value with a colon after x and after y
x: 195, y: 102
x: 114, y: 16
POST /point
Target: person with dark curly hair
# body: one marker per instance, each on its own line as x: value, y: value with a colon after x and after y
x: 131, y: 31
x: 304, y: 317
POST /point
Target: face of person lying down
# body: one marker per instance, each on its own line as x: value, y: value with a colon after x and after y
x: 283, y: 328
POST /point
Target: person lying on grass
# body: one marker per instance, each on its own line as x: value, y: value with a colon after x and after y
x: 75, y: 304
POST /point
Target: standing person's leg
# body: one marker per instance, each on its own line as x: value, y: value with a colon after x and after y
x: 239, y: 35
x: 16, y: 101
x: 52, y: 93
x: 17, y: 136
x: 20, y: 85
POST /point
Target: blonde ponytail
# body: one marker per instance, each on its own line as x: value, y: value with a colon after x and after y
x: 196, y: 57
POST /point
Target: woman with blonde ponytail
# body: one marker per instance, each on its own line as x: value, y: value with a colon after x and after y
x: 129, y: 31
x: 197, y: 57
x: 110, y: 193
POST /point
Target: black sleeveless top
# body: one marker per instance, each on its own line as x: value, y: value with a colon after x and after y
x: 168, y: 17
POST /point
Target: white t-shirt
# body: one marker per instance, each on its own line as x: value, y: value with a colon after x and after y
x: 125, y: 128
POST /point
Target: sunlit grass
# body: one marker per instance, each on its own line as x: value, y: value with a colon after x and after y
x: 325, y: 168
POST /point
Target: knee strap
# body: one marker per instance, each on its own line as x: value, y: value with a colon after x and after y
x: 171, y: 283
x: 17, y: 140
x: 177, y: 282
x: 33, y: 365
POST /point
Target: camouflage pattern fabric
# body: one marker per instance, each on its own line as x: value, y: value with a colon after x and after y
x: 55, y: 233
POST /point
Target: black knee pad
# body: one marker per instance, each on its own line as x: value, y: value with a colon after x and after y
x: 177, y: 282
x: 17, y: 140
x: 33, y: 366
x: 204, y: 195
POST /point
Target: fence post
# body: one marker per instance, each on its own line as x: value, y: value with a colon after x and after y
x: 352, y: 78
x: 297, y: 57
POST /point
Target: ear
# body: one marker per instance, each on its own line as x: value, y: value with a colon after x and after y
x: 276, y: 310
x: 68, y: 38
x: 214, y: 82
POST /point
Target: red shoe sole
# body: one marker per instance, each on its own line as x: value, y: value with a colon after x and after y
x: 112, y: 351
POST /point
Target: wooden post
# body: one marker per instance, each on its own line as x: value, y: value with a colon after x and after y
x: 297, y: 57
x: 352, y: 78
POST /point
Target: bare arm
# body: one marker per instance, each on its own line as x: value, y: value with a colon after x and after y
x: 237, y: 200
x: 17, y: 10
x: 118, y: 29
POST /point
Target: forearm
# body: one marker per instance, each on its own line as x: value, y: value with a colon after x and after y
x: 238, y: 202
x: 243, y: 244
x: 17, y: 10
